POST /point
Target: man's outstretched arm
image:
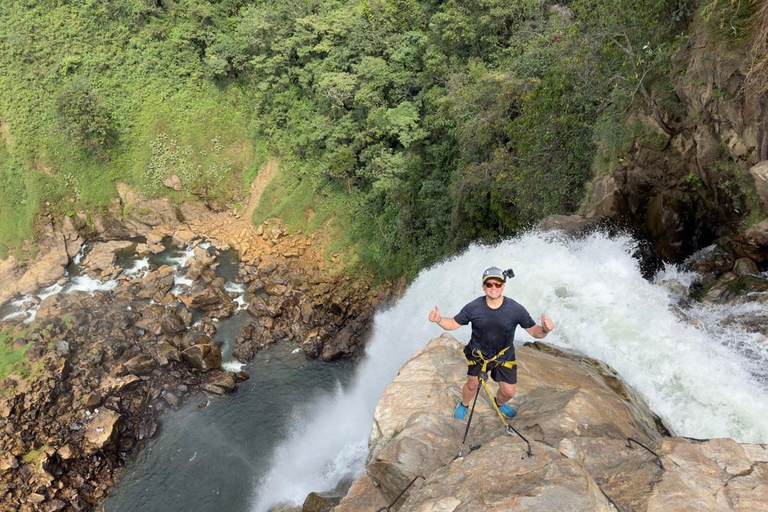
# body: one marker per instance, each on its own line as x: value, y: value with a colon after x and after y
x: 541, y: 331
x: 447, y: 323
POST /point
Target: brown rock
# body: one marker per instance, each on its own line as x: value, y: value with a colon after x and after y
x: 745, y: 266
x: 139, y: 365
x: 8, y: 461
x: 275, y: 289
x: 112, y: 385
x: 101, y: 432
x: 760, y: 173
x: 172, y: 324
x: 67, y: 452
x: 204, y: 356
x: 53, y: 506
x: 319, y: 502
x: 173, y: 182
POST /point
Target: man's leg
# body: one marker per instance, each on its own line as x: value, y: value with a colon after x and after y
x: 469, y: 390
x: 505, y: 393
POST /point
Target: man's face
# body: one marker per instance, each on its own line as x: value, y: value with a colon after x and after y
x: 493, y: 288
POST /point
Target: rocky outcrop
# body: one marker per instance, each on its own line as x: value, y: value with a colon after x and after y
x: 707, y: 174
x: 578, y: 423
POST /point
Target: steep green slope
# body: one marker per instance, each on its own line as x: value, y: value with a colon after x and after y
x: 421, y: 125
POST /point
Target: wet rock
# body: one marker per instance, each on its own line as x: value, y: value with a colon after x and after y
x: 171, y: 398
x: 318, y: 502
x: 155, y: 242
x: 220, y: 383
x: 574, y: 225
x: 183, y: 237
x: 102, y: 257
x: 745, y: 266
x: 257, y: 307
x: 203, y: 355
x: 156, y: 283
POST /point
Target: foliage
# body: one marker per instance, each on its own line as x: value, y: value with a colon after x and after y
x: 12, y: 361
x: 418, y: 125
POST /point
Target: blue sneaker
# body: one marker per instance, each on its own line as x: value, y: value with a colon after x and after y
x: 506, y: 410
x: 460, y: 412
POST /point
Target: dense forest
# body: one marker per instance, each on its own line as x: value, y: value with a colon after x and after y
x: 413, y: 126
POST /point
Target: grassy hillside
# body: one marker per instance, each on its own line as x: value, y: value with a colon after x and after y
x: 420, y: 126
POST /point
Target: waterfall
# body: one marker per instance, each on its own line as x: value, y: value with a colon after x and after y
x: 697, y: 375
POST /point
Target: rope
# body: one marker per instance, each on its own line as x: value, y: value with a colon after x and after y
x: 658, y: 459
x: 401, y: 494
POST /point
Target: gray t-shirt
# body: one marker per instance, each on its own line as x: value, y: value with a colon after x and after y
x: 494, y: 329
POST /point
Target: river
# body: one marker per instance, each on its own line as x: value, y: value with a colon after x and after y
x: 300, y: 425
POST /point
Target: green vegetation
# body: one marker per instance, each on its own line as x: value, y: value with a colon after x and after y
x: 408, y: 127
x: 34, y: 454
x: 12, y: 361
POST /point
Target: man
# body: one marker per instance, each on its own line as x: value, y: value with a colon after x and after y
x: 494, y: 319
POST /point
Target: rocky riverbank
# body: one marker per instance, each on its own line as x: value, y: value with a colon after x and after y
x: 99, y: 368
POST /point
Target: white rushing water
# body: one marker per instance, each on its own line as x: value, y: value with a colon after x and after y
x: 698, y: 378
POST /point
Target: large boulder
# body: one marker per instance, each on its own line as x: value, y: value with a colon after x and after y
x: 211, y: 299
x: 204, y: 354
x: 578, y: 418
x: 101, y: 259
x: 101, y: 431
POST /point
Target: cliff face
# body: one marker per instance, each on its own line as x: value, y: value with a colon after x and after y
x: 578, y: 427
x: 705, y: 177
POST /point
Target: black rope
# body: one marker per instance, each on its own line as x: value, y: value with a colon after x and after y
x: 510, y: 427
x: 469, y: 421
x: 401, y: 493
x: 658, y: 458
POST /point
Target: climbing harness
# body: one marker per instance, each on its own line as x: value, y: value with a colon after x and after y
x: 483, y: 378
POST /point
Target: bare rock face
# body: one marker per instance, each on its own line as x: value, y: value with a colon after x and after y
x: 547, y: 481
x: 47, y: 268
x: 760, y: 173
x: 578, y: 425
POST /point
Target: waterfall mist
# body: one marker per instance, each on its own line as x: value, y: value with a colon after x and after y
x: 694, y: 376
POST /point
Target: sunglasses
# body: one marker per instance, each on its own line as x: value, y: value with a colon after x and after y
x: 494, y: 284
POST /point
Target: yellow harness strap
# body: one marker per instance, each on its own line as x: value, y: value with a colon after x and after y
x: 479, y: 353
x: 505, y: 364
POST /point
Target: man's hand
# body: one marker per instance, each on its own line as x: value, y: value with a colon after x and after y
x: 546, y: 324
x: 434, y: 315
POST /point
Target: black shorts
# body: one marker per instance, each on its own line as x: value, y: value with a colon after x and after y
x: 498, y: 373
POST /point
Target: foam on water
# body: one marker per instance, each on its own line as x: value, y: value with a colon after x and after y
x: 140, y: 267
x: 601, y: 305
x: 240, y: 290
x: 232, y: 366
